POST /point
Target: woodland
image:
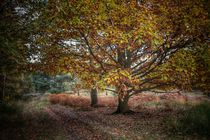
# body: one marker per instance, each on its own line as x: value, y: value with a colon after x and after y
x: 104, y: 69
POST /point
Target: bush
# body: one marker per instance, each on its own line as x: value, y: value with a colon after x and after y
x: 8, y: 108
x: 10, y: 115
x: 196, y: 120
x: 55, y: 91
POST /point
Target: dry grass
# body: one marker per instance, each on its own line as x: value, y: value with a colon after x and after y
x: 107, y: 101
x: 136, y: 102
x: 175, y: 97
x: 80, y: 101
x: 71, y: 100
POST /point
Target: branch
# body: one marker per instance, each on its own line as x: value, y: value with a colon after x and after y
x: 110, y: 56
x: 91, y: 51
x: 147, y: 89
x: 111, y: 90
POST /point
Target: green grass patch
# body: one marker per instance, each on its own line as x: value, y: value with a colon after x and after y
x: 36, y: 104
x: 195, y: 120
x: 153, y: 104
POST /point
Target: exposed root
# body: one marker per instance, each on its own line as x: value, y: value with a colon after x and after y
x: 125, y: 113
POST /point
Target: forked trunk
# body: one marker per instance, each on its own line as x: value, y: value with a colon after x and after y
x: 94, y: 98
x: 124, y: 58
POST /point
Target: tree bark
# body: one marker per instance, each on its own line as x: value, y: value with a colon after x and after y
x: 78, y: 94
x: 94, y: 98
x: 122, y: 105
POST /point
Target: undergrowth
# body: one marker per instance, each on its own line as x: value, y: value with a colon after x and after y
x: 23, y: 120
x: 194, y: 121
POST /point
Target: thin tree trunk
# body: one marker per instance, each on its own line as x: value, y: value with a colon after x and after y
x: 4, y: 85
x: 94, y: 97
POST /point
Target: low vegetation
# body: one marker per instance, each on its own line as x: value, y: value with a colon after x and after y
x: 71, y: 100
x: 195, y: 120
x: 25, y: 120
x: 136, y: 102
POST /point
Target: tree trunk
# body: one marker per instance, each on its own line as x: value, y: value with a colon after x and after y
x: 4, y: 85
x: 94, y: 98
x: 78, y: 92
x: 124, y: 58
x: 122, y: 105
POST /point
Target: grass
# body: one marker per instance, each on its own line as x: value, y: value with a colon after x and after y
x: 194, y: 121
x: 152, y: 104
x: 70, y: 100
x: 36, y: 104
x: 168, y: 101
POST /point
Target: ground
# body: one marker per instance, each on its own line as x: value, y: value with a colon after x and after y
x: 43, y: 120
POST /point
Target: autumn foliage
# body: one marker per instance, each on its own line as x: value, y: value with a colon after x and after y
x: 120, y: 43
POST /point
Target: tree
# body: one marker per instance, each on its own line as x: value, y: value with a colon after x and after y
x: 12, y: 40
x: 16, y: 25
x: 123, y: 42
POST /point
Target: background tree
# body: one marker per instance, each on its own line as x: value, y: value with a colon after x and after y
x: 11, y: 47
x: 16, y: 25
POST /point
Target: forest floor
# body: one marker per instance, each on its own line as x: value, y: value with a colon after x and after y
x: 41, y: 120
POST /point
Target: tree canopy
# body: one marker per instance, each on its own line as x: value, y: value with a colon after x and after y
x: 119, y: 43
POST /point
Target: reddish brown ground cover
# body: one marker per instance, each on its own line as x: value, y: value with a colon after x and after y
x: 108, y: 101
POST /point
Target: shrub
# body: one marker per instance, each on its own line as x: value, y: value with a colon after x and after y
x: 195, y: 120
x: 55, y: 91
x: 10, y: 115
x: 8, y: 108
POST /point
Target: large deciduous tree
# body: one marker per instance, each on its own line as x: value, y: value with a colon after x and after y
x: 123, y: 42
